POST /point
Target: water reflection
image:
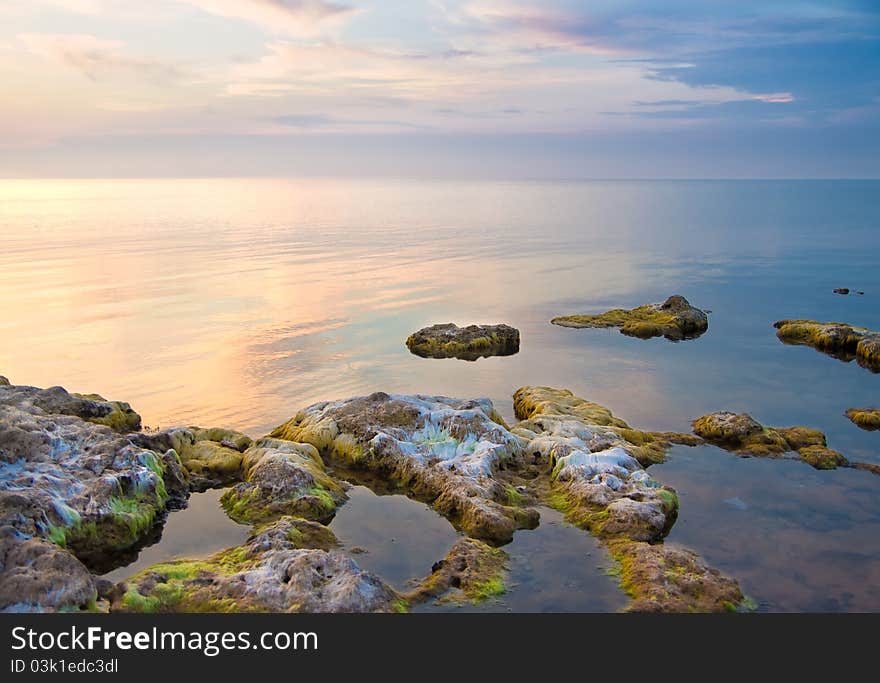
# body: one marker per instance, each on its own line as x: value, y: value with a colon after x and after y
x: 199, y: 530
x: 236, y: 302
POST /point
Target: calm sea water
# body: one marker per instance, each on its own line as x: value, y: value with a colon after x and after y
x: 235, y: 302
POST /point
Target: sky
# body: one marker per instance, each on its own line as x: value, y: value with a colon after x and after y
x: 447, y: 88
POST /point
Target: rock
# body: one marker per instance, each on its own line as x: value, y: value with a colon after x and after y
x: 67, y: 478
x: 211, y: 457
x: 38, y: 576
x: 600, y: 485
x: 741, y: 433
x: 538, y: 402
x: 442, y: 449
x: 472, y: 571
x: 842, y: 290
x: 838, y: 340
x: 283, y: 478
x: 674, y: 319
x: 291, y: 565
x: 465, y: 343
x: 866, y: 418
x: 597, y: 481
x: 668, y: 578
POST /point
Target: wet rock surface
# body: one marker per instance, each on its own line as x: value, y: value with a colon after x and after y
x: 212, y: 457
x: 599, y: 485
x: 74, y: 491
x: 472, y: 571
x: 839, y: 340
x: 866, y: 418
x: 444, y: 450
x: 742, y: 434
x: 283, y: 478
x: 675, y: 319
x: 37, y: 575
x: 465, y: 343
x: 80, y: 484
x: 291, y: 565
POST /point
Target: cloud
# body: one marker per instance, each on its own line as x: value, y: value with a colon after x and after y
x: 298, y: 18
x: 94, y: 57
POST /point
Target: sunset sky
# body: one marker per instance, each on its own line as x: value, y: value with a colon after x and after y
x: 500, y: 88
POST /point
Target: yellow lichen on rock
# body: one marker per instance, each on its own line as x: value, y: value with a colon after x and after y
x: 840, y: 340
x: 741, y: 433
x: 866, y: 418
x: 674, y: 319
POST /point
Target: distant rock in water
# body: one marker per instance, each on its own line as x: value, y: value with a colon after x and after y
x: 847, y: 290
x: 674, y: 319
x: 743, y: 434
x: 838, y: 340
x: 866, y: 418
x: 465, y: 343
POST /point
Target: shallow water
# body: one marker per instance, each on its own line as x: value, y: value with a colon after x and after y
x: 196, y: 532
x: 236, y: 302
x: 553, y: 568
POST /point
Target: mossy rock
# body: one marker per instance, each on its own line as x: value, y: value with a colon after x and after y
x: 283, y: 478
x: 465, y: 343
x: 291, y: 565
x: 866, y: 418
x: 840, y: 340
x: 472, y: 571
x: 666, y: 578
x: 674, y: 319
x: 117, y: 415
x: 742, y: 434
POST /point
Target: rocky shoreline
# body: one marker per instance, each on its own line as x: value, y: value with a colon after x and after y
x: 82, y: 485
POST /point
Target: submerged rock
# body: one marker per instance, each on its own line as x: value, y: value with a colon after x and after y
x: 472, y: 571
x: 291, y: 565
x: 674, y: 319
x: 598, y: 483
x: 445, y: 450
x: 741, y: 433
x: 465, y: 343
x: 838, y: 340
x: 282, y: 478
x: 866, y: 418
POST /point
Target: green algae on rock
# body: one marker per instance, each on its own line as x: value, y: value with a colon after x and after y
x: 646, y: 447
x: 600, y: 486
x: 465, y: 343
x: 83, y: 486
x: 674, y: 319
x: 741, y: 433
x: 444, y: 450
x: 866, y: 418
x: 838, y: 340
x: 472, y: 571
x: 668, y: 578
x: 282, y: 478
x: 290, y: 565
x: 212, y: 457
